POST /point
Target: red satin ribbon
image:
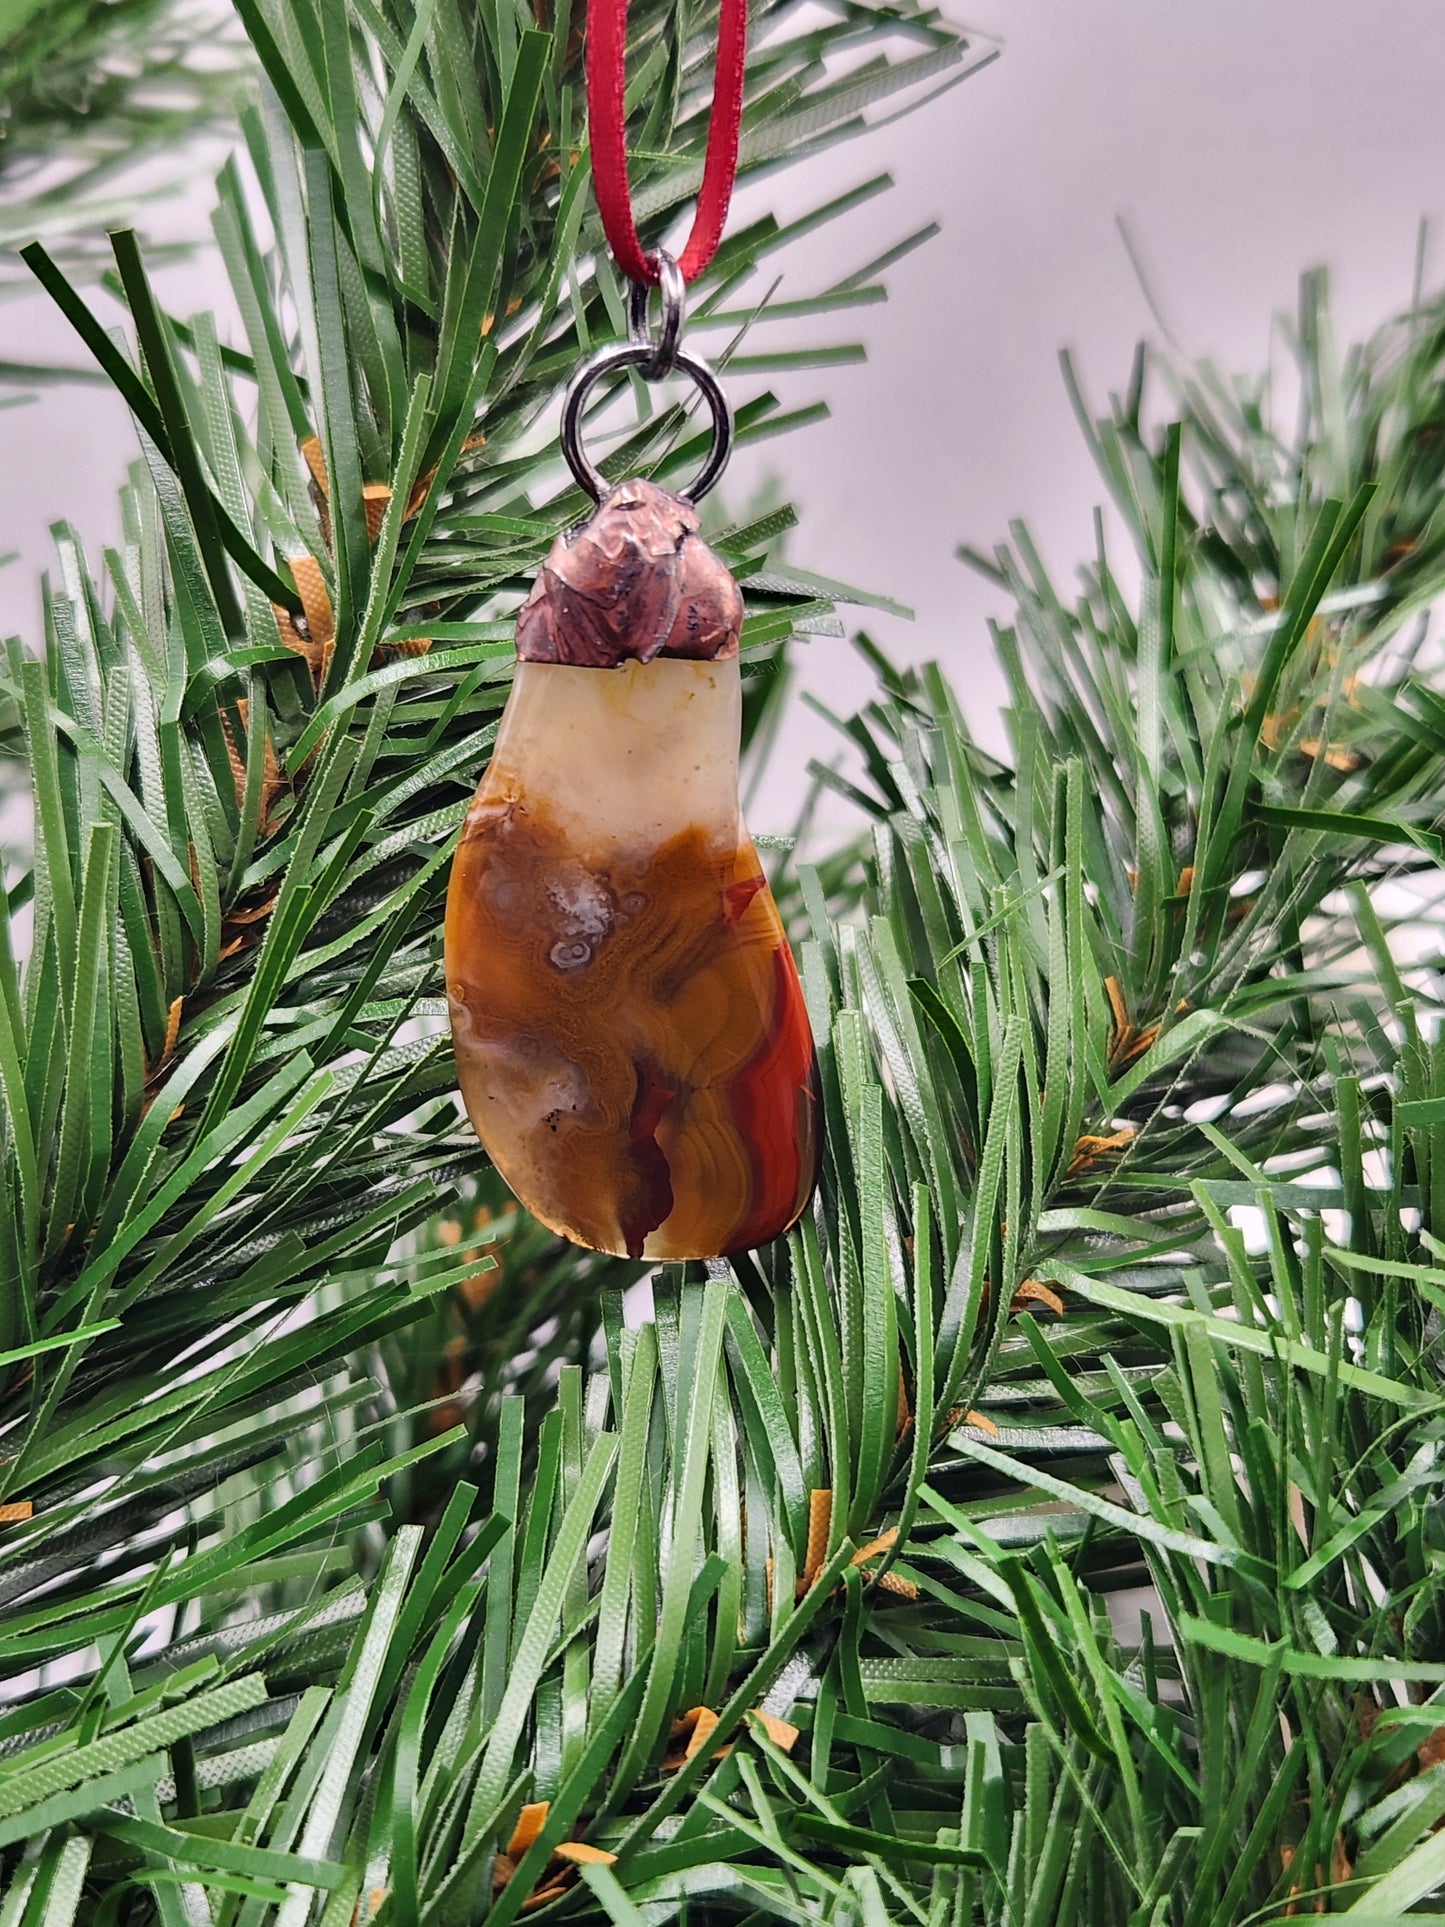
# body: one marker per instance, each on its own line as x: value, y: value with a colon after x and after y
x: 606, y: 47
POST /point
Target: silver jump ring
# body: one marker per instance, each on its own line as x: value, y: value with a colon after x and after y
x: 639, y: 355
x: 673, y: 290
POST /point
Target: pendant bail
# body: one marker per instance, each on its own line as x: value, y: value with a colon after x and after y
x: 673, y: 291
x: 638, y: 355
x: 655, y: 358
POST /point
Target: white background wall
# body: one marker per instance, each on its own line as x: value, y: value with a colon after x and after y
x: 1242, y: 140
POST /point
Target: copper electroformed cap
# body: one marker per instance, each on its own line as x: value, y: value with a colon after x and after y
x: 632, y: 582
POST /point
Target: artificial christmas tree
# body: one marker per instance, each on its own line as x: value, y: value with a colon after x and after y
x: 368, y: 1558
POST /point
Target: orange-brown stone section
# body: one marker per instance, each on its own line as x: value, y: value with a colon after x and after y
x: 631, y: 1039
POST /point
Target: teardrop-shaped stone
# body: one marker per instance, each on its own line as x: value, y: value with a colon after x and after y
x: 630, y: 1033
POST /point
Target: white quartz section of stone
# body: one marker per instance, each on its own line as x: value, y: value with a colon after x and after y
x: 633, y: 755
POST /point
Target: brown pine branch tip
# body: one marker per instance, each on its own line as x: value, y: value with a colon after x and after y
x: 1125, y: 1041
x: 562, y: 1863
x: 1088, y: 1150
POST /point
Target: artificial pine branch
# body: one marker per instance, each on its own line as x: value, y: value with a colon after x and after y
x: 791, y: 1601
x: 99, y: 98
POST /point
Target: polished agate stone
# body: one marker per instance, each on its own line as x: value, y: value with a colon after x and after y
x: 630, y: 1034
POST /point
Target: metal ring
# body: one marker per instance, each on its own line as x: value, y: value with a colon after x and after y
x: 638, y: 354
x: 673, y: 290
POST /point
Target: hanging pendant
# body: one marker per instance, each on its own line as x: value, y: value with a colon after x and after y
x: 631, y: 1039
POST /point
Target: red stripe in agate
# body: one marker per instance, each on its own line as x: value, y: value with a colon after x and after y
x: 766, y: 1097
x: 738, y: 896
x: 653, y: 1201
